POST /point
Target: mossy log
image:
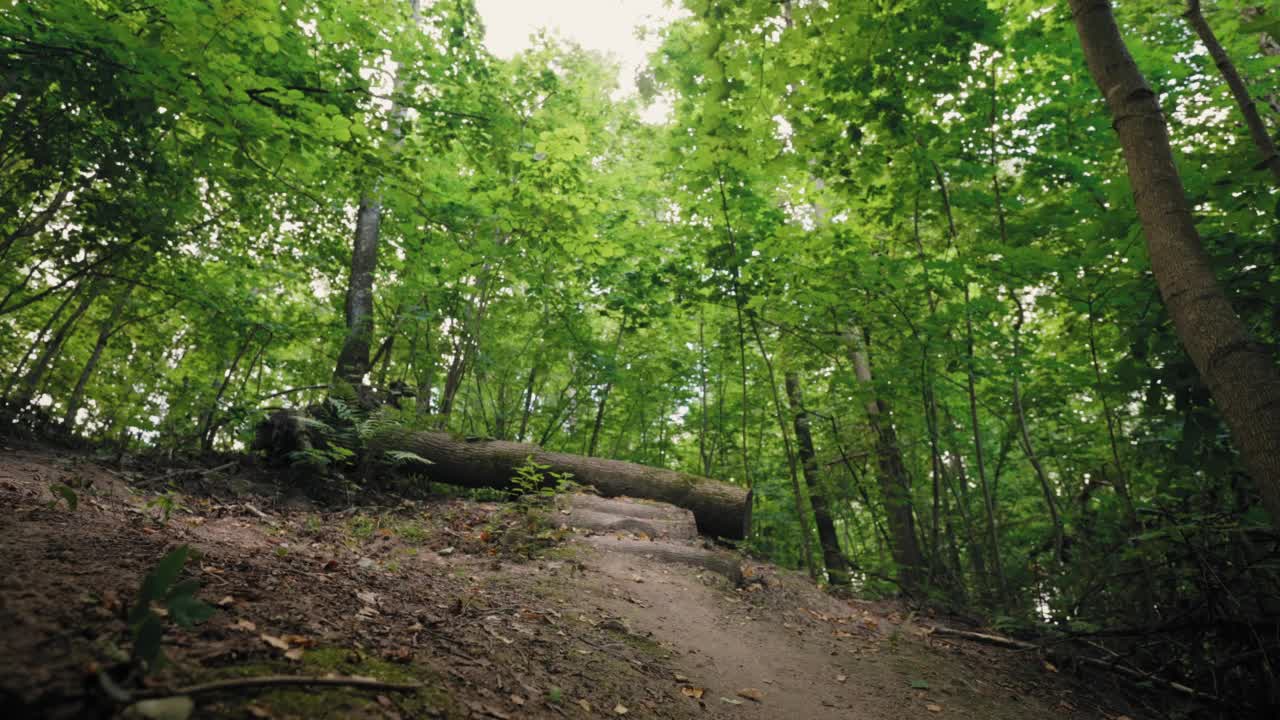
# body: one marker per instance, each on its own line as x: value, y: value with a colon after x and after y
x: 721, y: 509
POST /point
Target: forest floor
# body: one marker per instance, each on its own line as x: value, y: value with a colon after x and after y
x: 494, y: 610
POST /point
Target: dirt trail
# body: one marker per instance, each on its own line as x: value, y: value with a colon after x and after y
x: 801, y: 652
x: 497, y: 613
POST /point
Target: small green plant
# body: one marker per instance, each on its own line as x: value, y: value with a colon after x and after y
x: 161, y: 587
x: 164, y: 505
x: 412, y: 533
x: 67, y: 495
x: 362, y: 527
x: 532, y: 478
x: 312, y: 525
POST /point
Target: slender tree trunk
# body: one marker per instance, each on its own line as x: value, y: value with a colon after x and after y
x: 703, y: 453
x: 801, y: 516
x: 837, y: 569
x: 1239, y: 371
x: 529, y: 388
x: 895, y: 484
x: 105, y: 330
x: 1248, y: 108
x: 18, y: 369
x: 738, y: 302
x: 209, y: 427
x: 27, y: 389
x: 1025, y: 436
x: 353, y: 360
x: 989, y: 505
x: 608, y: 386
x: 1020, y: 318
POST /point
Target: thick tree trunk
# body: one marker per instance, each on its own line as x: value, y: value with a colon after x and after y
x: 1239, y: 371
x: 720, y: 508
x: 837, y: 569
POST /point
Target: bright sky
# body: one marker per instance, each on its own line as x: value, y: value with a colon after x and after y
x: 604, y: 25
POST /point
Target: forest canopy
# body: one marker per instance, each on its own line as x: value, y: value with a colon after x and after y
x: 900, y: 268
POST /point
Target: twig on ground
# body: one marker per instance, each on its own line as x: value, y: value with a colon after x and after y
x: 1113, y: 665
x: 279, y: 681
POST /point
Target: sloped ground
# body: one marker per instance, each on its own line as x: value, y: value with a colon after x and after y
x: 496, y: 612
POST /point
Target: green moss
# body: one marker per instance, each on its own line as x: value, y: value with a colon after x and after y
x: 361, y: 527
x: 411, y: 532
x: 338, y: 702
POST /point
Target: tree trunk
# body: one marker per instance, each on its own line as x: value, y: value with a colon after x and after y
x: 27, y: 389
x: 608, y: 387
x: 1248, y: 108
x: 895, y: 485
x: 18, y: 369
x: 837, y: 570
x: 721, y: 509
x: 104, y: 334
x: 1240, y: 372
x: 353, y: 360
x: 801, y: 516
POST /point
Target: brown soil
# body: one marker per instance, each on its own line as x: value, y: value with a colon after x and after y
x: 496, y: 613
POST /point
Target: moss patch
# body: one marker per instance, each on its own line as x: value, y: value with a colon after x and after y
x: 432, y: 701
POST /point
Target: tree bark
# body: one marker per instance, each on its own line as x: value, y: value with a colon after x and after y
x: 895, y: 485
x: 1248, y: 108
x: 27, y: 389
x: 801, y: 516
x: 837, y: 569
x: 608, y: 387
x: 105, y: 331
x: 353, y: 359
x: 721, y: 509
x: 1239, y: 371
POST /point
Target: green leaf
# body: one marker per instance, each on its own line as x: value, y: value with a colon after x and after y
x: 157, y: 583
x: 146, y: 641
x: 67, y: 494
x: 186, y: 611
x: 920, y: 684
x: 271, y: 44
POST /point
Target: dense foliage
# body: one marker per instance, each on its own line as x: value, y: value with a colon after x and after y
x: 907, y: 222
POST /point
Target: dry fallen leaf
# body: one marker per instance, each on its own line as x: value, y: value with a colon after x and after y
x: 933, y: 707
x: 584, y: 705
x: 681, y: 678
x: 295, y: 654
x: 258, y: 711
x: 517, y: 700
x: 274, y: 642
x: 620, y: 709
x: 692, y: 692
x: 228, y: 600
x: 731, y: 701
x: 751, y: 694
x: 841, y: 678
x: 245, y: 625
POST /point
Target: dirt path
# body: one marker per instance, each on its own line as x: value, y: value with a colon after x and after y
x: 497, y: 614
x: 802, y: 653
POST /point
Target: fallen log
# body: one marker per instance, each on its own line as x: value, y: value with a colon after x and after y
x: 720, y: 509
